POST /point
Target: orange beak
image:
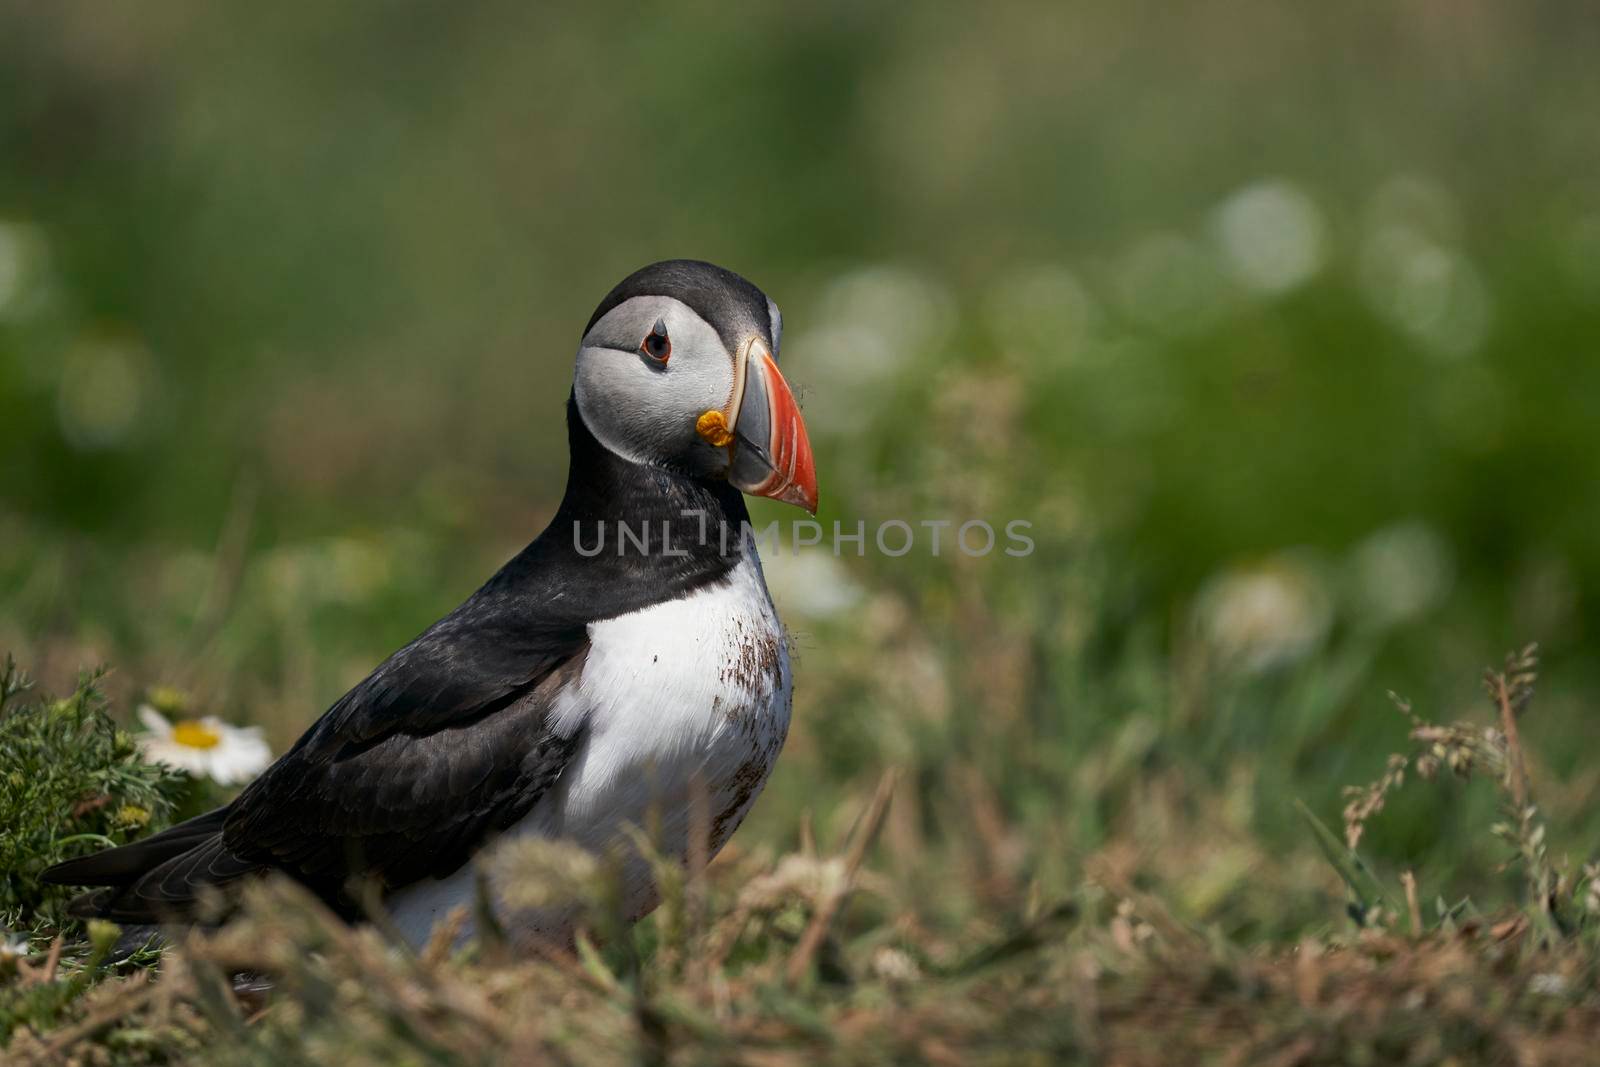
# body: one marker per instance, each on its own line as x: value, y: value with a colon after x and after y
x: 771, y: 452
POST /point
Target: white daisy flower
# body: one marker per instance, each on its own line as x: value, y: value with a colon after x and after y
x: 228, y: 755
x: 13, y: 954
x: 12, y: 948
x: 1262, y: 616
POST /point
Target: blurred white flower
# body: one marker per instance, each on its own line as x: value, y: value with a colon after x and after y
x: 1414, y: 272
x: 23, y: 258
x: 12, y: 948
x: 1401, y: 571
x: 878, y: 318
x: 894, y: 965
x: 1427, y: 289
x: 13, y: 954
x: 811, y: 582
x: 104, y: 385
x: 1265, y: 615
x: 209, y: 747
x: 1271, y: 235
x: 845, y: 367
x: 1549, y: 984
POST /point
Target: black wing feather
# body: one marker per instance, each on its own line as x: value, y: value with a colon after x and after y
x: 120, y: 866
x: 408, y: 803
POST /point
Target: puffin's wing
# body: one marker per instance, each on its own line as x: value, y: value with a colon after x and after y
x: 449, y: 740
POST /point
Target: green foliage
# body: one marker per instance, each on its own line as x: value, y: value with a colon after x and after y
x: 52, y: 990
x: 71, y: 783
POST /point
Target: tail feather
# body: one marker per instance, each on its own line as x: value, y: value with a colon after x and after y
x: 162, y: 878
x: 126, y: 863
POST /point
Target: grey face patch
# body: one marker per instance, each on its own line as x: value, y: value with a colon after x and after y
x: 645, y: 410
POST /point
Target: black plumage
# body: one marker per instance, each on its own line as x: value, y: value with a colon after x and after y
x: 450, y: 739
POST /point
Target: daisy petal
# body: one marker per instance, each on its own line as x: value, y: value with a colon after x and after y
x: 154, y: 721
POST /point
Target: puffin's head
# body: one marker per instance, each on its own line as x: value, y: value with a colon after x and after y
x: 678, y: 369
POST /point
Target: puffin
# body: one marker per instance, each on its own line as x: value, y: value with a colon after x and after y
x: 625, y: 669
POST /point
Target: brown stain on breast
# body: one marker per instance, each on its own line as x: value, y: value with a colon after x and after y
x: 742, y: 786
x: 752, y: 673
x: 757, y: 657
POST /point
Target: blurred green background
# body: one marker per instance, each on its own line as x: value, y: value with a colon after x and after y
x: 1278, y: 323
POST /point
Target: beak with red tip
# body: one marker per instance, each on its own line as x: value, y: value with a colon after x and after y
x: 771, y: 454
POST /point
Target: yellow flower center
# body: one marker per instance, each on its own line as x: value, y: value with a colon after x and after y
x: 192, y: 733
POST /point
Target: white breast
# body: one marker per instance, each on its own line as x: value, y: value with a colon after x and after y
x: 692, y: 689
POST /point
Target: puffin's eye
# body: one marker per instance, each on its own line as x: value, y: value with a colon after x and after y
x: 656, y: 346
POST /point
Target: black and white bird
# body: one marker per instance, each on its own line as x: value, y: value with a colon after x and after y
x: 624, y: 667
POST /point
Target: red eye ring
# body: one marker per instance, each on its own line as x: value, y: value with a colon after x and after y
x: 656, y: 345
